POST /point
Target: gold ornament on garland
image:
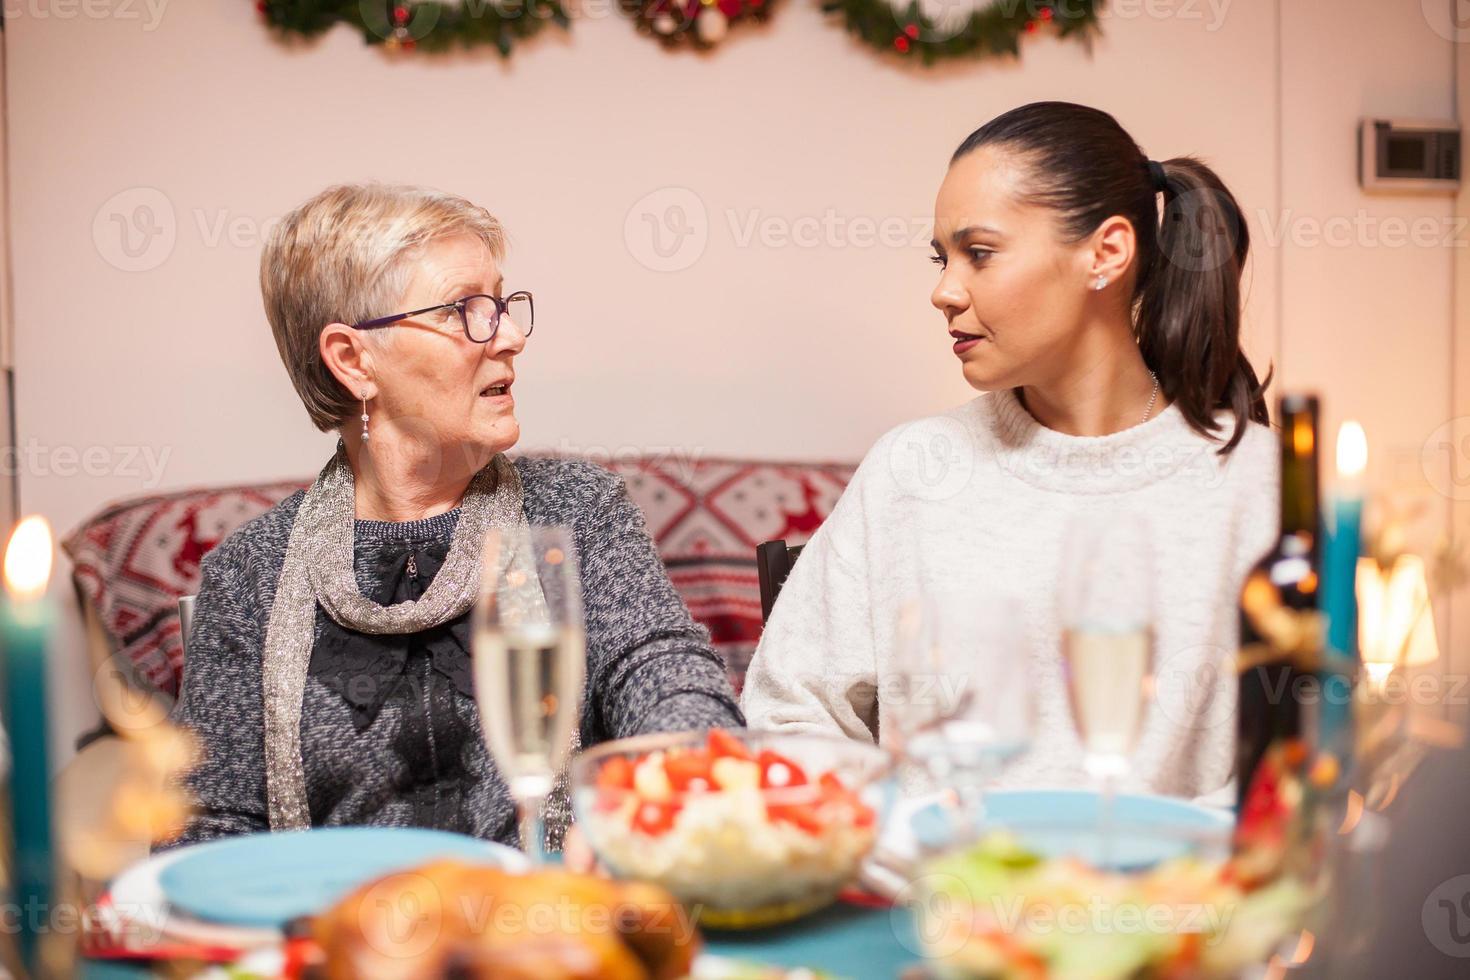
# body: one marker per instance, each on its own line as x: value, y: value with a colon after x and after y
x: 695, y: 24
x: 992, y: 27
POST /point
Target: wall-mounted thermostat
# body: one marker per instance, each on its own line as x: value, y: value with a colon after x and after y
x: 1408, y: 155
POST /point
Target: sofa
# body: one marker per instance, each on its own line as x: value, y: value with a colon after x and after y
x: 134, y: 559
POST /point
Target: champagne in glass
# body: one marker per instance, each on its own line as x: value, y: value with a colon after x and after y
x: 530, y: 661
x: 1107, y: 675
x: 1107, y: 613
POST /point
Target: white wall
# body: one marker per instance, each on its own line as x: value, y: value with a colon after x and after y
x: 1367, y: 310
x: 754, y: 348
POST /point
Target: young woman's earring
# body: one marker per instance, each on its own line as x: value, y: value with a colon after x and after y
x: 364, y: 417
x: 1099, y: 283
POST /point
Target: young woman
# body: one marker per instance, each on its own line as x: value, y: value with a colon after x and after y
x: 1107, y: 343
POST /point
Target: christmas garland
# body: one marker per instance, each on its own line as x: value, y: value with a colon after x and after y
x: 428, y: 25
x: 694, y: 23
x: 995, y: 28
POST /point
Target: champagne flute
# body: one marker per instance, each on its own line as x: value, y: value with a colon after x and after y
x: 967, y: 709
x: 529, y: 661
x: 1106, y: 610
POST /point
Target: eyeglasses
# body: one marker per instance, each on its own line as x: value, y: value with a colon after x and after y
x: 479, y: 314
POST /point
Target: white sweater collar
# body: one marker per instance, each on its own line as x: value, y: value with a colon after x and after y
x: 1122, y: 461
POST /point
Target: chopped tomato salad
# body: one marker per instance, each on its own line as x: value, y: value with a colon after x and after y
x: 660, y: 784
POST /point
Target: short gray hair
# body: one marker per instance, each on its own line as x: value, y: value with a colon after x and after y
x: 343, y: 257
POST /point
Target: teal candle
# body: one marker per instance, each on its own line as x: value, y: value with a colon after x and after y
x: 1339, y: 598
x: 1340, y: 576
x: 26, y: 623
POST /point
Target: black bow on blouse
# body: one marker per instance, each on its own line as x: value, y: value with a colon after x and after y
x: 365, y: 668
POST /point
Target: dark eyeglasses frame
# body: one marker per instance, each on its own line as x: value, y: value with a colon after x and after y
x: 459, y: 307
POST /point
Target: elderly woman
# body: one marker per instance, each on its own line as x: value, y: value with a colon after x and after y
x: 318, y: 709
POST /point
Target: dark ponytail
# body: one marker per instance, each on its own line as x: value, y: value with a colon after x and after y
x: 1186, y: 300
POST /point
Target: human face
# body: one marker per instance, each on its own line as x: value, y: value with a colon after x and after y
x: 1012, y: 291
x: 433, y: 381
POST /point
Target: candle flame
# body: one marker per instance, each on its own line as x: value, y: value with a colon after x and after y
x: 1352, y: 449
x: 28, y: 559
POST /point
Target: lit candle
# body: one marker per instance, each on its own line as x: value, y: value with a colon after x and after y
x: 26, y: 621
x: 1339, y: 584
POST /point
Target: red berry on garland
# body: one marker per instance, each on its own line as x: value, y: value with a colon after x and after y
x: 902, y: 44
x: 1045, y: 13
x: 410, y: 44
x: 912, y: 30
x: 400, y: 15
x: 730, y: 8
x: 1031, y: 27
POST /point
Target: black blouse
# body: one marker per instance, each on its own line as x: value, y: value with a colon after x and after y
x: 421, y: 672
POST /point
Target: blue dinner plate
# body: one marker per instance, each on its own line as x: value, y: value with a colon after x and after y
x: 1145, y: 830
x: 266, y: 880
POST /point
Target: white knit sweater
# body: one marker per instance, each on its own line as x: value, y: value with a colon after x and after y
x: 980, y: 497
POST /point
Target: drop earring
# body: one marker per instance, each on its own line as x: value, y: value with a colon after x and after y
x: 364, y: 417
x: 1099, y: 283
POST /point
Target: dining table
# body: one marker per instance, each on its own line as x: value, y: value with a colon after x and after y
x: 857, y: 937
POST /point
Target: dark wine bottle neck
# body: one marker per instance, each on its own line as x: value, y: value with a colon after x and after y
x: 1299, y: 468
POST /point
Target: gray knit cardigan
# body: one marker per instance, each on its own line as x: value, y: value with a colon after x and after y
x: 650, y: 667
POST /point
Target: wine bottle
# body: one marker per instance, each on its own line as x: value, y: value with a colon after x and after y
x: 1280, y: 626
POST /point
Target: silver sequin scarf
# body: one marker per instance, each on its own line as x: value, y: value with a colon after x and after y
x: 319, y: 569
